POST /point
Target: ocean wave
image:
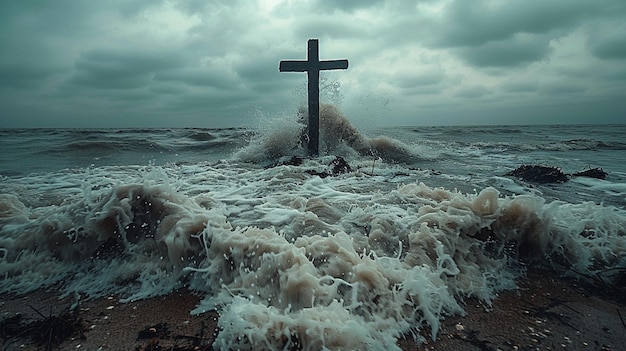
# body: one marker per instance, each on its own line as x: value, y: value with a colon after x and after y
x: 338, y: 136
x: 281, y: 253
x: 582, y: 144
x: 454, y: 131
x: 99, y: 146
x: 559, y: 146
x: 202, y: 136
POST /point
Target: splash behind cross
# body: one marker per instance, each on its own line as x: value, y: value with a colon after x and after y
x: 313, y: 66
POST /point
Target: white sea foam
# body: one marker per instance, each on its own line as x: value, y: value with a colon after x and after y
x: 347, y: 262
x: 285, y: 137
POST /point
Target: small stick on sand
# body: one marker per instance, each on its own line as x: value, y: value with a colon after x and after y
x: 620, y: 317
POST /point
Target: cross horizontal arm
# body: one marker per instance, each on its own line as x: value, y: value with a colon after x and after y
x: 304, y: 66
x: 293, y: 66
x: 333, y: 64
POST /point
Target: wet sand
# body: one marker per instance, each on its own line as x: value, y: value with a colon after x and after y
x: 545, y: 313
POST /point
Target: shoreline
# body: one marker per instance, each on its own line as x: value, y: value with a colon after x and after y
x: 544, y: 313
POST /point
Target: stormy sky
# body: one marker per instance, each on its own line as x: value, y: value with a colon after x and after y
x: 214, y: 63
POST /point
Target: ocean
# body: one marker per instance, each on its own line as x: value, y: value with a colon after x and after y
x: 293, y: 250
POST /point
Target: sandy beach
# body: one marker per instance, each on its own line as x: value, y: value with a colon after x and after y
x: 545, y: 313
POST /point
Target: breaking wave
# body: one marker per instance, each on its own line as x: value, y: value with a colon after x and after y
x: 348, y: 262
x: 338, y: 136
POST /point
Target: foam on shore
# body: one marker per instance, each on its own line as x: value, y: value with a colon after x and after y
x: 351, y: 262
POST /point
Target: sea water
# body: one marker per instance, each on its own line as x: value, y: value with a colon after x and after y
x: 425, y: 219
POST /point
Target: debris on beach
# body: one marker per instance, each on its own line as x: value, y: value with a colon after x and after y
x: 549, y: 174
x: 337, y: 166
x: 154, y: 334
x: 597, y: 173
x: 539, y: 174
x: 50, y: 331
x: 291, y: 161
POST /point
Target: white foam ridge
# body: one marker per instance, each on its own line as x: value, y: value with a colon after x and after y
x: 290, y: 259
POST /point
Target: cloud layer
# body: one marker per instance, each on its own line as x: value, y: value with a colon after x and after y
x: 196, y: 63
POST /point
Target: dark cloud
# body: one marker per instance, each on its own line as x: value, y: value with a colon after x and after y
x: 209, y: 100
x: 345, y: 5
x: 563, y: 88
x: 421, y: 79
x: 425, y: 81
x: 616, y: 76
x: 472, y: 92
x: 31, y: 52
x: 262, y: 78
x: 202, y: 7
x: 326, y: 28
x: 168, y: 89
x: 611, y: 44
x: 520, y: 86
x: 133, y: 8
x: 475, y: 23
x: 611, y: 49
x: 120, y: 69
x: 42, y: 18
x: 522, y: 48
x: 127, y: 61
x: 214, y: 76
x: 23, y: 75
x: 510, y: 33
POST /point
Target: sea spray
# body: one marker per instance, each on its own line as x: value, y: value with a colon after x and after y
x: 276, y: 137
x: 285, y: 137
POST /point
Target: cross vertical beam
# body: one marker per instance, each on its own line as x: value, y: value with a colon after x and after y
x: 313, y: 66
x: 313, y: 80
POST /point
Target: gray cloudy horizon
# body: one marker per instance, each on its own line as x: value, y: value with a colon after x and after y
x: 73, y: 63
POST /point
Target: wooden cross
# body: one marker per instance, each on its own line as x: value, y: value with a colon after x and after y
x: 313, y: 66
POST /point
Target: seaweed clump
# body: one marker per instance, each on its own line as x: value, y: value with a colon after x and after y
x: 50, y: 331
x: 597, y: 173
x: 337, y: 167
x: 539, y: 174
x: 549, y: 174
x: 153, y: 335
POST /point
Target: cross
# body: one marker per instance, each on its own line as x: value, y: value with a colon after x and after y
x: 313, y: 66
